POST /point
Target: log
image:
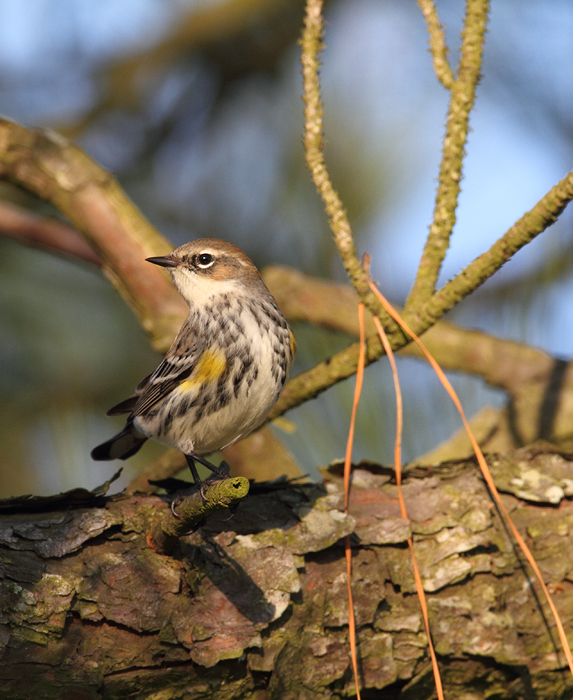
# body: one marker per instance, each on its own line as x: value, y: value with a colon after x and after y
x: 254, y: 604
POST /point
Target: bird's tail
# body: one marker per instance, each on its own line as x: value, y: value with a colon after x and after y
x: 121, y: 446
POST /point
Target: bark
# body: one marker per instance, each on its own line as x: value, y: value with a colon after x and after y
x: 254, y: 605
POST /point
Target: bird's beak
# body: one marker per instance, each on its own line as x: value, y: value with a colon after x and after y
x: 163, y: 261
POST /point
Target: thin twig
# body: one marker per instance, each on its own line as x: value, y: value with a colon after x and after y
x: 312, y: 45
x: 461, y: 103
x: 531, y: 224
x: 438, y: 46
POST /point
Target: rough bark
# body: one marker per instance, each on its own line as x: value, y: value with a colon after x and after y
x: 254, y: 605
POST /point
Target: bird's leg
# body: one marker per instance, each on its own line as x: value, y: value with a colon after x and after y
x: 193, y: 469
x: 221, y: 472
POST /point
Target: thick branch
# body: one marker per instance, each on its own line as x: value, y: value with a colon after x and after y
x: 258, y: 603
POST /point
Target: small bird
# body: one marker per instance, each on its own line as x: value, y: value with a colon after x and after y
x: 225, y: 369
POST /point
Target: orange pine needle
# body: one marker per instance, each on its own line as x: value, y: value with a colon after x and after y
x: 351, y: 619
x: 485, y: 471
x: 347, y: 468
x: 403, y: 512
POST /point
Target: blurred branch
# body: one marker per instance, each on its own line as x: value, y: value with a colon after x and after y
x: 56, y: 170
x: 46, y: 233
x: 509, y: 365
x: 502, y: 363
x: 438, y: 46
x: 461, y: 103
x: 539, y: 386
x: 238, y: 36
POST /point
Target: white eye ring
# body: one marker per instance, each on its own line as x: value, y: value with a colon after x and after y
x: 205, y: 260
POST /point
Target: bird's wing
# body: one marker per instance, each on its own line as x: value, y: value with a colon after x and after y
x: 179, y: 363
x: 167, y: 377
x: 127, y: 405
x: 184, y: 357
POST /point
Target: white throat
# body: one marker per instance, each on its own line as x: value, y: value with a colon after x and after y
x: 197, y: 289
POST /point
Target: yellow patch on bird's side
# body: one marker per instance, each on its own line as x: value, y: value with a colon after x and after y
x: 292, y: 344
x: 210, y: 367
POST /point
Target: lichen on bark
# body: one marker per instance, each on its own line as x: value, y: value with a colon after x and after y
x: 258, y: 604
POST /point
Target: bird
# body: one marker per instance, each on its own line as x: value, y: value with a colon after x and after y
x: 224, y: 371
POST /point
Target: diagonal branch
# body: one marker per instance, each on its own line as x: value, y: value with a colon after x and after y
x: 343, y: 364
x: 59, y: 172
x: 531, y: 224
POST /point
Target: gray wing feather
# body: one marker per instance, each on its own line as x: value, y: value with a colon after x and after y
x: 178, y: 364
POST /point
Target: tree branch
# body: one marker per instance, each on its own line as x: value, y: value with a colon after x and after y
x: 46, y: 233
x: 255, y: 604
x: 461, y: 104
x: 312, y: 45
x: 438, y: 46
x: 531, y: 224
x: 56, y: 170
x: 343, y: 364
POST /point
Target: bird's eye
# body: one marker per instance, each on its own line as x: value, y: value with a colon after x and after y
x: 205, y: 260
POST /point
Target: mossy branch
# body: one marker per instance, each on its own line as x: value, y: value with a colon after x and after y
x: 192, y: 510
